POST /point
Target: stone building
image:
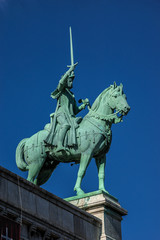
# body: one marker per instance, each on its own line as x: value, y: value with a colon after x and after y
x: 28, y: 212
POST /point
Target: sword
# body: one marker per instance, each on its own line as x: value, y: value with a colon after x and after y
x: 71, y: 49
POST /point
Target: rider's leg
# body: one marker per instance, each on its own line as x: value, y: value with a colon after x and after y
x: 61, y: 135
x: 64, y: 127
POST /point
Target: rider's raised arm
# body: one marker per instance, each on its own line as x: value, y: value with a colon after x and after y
x: 63, y: 80
x: 62, y: 83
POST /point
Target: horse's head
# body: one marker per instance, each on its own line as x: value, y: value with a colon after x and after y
x: 118, y: 100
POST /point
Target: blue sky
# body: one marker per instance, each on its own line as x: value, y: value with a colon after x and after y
x: 113, y: 41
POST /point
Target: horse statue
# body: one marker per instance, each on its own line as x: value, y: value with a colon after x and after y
x: 94, y: 138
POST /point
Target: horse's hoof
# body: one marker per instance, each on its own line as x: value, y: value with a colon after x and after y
x: 35, y: 181
x: 104, y: 190
x: 79, y: 191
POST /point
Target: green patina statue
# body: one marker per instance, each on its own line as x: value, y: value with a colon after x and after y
x: 68, y: 138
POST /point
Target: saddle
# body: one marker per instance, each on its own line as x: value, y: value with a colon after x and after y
x: 54, y: 129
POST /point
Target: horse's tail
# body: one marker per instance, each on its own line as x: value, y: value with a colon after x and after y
x: 21, y: 164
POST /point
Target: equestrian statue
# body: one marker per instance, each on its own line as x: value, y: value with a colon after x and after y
x: 68, y: 138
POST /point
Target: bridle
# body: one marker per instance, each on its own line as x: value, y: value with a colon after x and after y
x: 109, y: 117
x: 102, y: 117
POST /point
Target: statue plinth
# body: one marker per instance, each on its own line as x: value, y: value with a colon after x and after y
x: 105, y: 207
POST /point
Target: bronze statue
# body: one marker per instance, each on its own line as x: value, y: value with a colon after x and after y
x: 71, y: 139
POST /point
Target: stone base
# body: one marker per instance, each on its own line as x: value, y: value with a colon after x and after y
x: 105, y: 207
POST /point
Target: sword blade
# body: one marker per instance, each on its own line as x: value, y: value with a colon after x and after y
x: 71, y: 47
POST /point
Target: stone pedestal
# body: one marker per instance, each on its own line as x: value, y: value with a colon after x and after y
x: 104, y: 207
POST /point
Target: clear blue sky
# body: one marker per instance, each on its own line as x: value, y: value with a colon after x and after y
x: 113, y: 41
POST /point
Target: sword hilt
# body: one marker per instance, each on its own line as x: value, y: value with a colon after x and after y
x: 75, y: 64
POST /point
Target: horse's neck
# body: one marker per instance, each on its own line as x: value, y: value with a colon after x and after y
x: 104, y: 110
x: 99, y: 115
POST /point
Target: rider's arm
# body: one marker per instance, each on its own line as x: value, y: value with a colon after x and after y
x: 78, y: 109
x: 62, y: 84
x: 63, y: 80
x: 82, y: 106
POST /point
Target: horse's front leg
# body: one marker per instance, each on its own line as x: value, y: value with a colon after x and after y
x: 85, y: 160
x: 101, y: 162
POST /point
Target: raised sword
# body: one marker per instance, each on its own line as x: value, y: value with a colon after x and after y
x: 71, y: 47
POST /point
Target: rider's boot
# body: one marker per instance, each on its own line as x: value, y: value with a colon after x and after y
x: 62, y: 133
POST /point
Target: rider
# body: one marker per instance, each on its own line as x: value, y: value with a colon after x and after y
x: 64, y: 116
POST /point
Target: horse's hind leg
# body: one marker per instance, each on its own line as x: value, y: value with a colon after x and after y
x: 45, y: 172
x: 85, y: 160
x: 43, y: 176
x: 101, y: 162
x: 34, y: 169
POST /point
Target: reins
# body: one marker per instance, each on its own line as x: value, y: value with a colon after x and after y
x: 102, y: 117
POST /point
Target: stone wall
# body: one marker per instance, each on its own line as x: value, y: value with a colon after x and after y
x: 43, y: 215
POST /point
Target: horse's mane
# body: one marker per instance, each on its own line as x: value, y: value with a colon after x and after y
x: 96, y: 103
